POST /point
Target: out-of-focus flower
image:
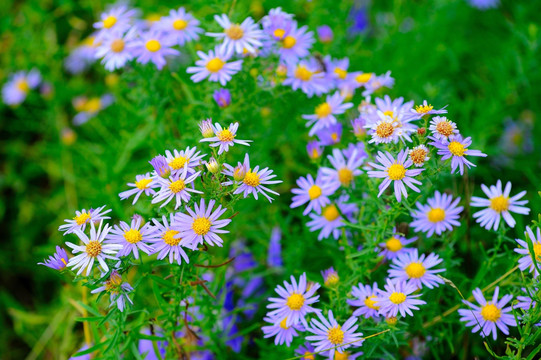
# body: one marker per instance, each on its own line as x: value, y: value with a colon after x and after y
x: 89, y: 108
x: 16, y: 89
x: 82, y: 218
x: 153, y: 46
x: 484, y: 4
x: 314, y: 150
x: 274, y: 257
x: 58, y: 261
x: 325, y: 34
x: 117, y: 289
x: 330, y: 277
x: 324, y: 113
x: 180, y: 25
x: 238, y: 37
x: 115, y: 49
x: 222, y: 97
x: 307, y: 76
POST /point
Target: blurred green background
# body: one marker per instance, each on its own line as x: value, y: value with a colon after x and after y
x: 484, y: 64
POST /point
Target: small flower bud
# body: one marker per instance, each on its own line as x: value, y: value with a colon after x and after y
x: 160, y: 165
x: 421, y: 131
x: 212, y: 165
x: 206, y: 128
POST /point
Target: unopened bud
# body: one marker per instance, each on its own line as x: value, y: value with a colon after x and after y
x: 421, y: 131
x: 212, y: 165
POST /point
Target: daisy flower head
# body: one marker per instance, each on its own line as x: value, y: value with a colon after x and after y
x: 225, y: 137
x: 330, y: 222
x: 382, y: 131
x: 328, y: 334
x: 182, y: 160
x: 416, y: 270
x: 306, y: 351
x: 93, y: 249
x: 118, y: 18
x: 295, y: 44
x: 330, y: 276
x: 324, y: 113
x: 14, y: 92
x: 119, y: 290
x: 314, y: 149
x: 143, y: 184
x: 180, y: 25
x: 214, y: 66
x: 395, y: 170
x: 84, y: 217
x: 222, y: 97
x: 365, y: 300
x: 344, y: 170
x: 275, y: 16
x: 439, y: 215
x: 132, y: 237
x: 336, y: 69
x: 426, y: 109
x: 114, y: 49
x: 490, y: 315
x: 153, y: 46
x: 395, y: 246
x: 176, y: 187
x: 254, y: 181
x: 330, y: 135
x: 202, y: 225
x: 456, y: 149
x: 377, y: 82
x: 307, y: 76
x: 295, y: 301
x: 167, y: 241
x: 419, y: 155
x: 325, y: 34
x: 442, y: 128
x: 282, y: 332
x: 58, y: 261
x: 237, y: 173
x: 238, y: 37
x: 499, y: 204
x: 398, y: 298
x: 526, y: 262
x: 314, y: 192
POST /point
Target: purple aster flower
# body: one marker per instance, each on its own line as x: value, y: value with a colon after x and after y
x: 365, y: 300
x: 328, y: 334
x: 225, y: 137
x: 416, y: 270
x: 161, y: 166
x: 295, y: 44
x: 331, y: 135
x: 377, y: 82
x: 238, y: 38
x: 117, y: 19
x: 358, y: 124
x: 275, y: 16
x: 359, y: 18
x: 330, y: 222
x: 343, y: 172
x: 132, y: 237
x: 526, y: 262
x: 153, y: 46
x: 330, y: 277
x: 426, y: 109
x: 180, y: 25
x: 307, y: 76
x: 167, y: 241
x: 119, y: 290
x: 490, y: 316
x: 143, y: 184
x: 484, y: 4
x: 295, y: 301
x: 441, y: 214
x: 214, y: 66
x: 187, y: 159
x: 314, y: 149
x: 499, y: 204
x: 306, y: 351
x: 58, y: 261
x: 395, y: 246
x: 222, y: 97
x: 274, y: 257
x: 337, y: 70
x: 283, y: 332
x: 82, y: 57
x: 442, y: 128
x: 114, y: 49
x: 202, y: 225
x: 254, y: 181
x: 395, y: 170
x: 324, y: 113
x: 315, y: 193
x: 84, y: 217
x: 176, y: 187
x: 89, y: 108
x: 456, y: 148
x: 325, y: 34
x: 14, y: 92
x: 394, y: 107
x: 398, y: 298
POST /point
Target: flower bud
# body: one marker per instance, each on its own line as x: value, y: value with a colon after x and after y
x: 160, y: 165
x: 206, y: 128
x: 212, y: 165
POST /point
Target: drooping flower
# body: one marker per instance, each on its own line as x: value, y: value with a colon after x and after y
x: 176, y: 187
x: 416, y: 270
x: 84, y: 217
x: 16, y: 89
x: 167, y: 241
x: 324, y: 113
x: 58, y: 261
x: 398, y: 298
x: 314, y: 192
x: 344, y: 171
x: 117, y: 289
x: 442, y: 128
x: 395, y: 245
x: 132, y: 237
x: 282, y: 332
x: 214, y: 66
x: 222, y: 97
x: 153, y: 46
x: 180, y: 25
x: 330, y: 222
x: 526, y: 262
x: 238, y: 37
x: 225, y: 137
x: 330, y: 277
x: 143, y: 184
x: 441, y: 214
x: 456, y: 149
x: 365, y: 300
x: 499, y: 204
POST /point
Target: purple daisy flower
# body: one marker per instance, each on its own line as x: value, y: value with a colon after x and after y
x: 115, y: 49
x: 328, y: 334
x: 314, y: 149
x: 179, y: 160
x: 441, y: 214
x: 395, y: 170
x: 254, y: 181
x: 238, y: 38
x: 225, y: 137
x: 161, y: 167
x: 58, y: 261
x: 426, y: 109
x: 490, y: 316
x: 324, y: 113
x: 415, y: 269
x: 484, y: 4
x: 315, y: 193
x: 84, y: 217
x: 214, y: 66
x: 176, y: 187
x: 117, y: 19
x: 325, y: 34
x: 279, y: 328
x: 330, y: 222
x: 307, y: 76
x: 119, y: 290
x: 398, y: 298
x: 442, y: 128
x: 132, y: 237
x: 222, y: 97
x: 377, y: 82
x: 331, y: 135
x: 89, y: 108
x: 294, y: 302
x: 498, y: 205
x: 143, y: 184
x: 201, y: 225
x: 365, y: 300
x: 295, y: 44
x: 343, y: 172
x: 395, y: 246
x: 83, y: 56
x: 180, y: 25
x: 274, y: 257
x: 306, y: 351
x: 153, y: 46
x: 337, y: 70
x: 330, y: 277
x: 167, y: 241
x: 456, y: 148
x: 14, y: 92
x: 526, y: 262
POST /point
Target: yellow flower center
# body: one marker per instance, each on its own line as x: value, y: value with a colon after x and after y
x: 302, y: 73
x: 201, y: 226
x: 345, y: 176
x: 215, y: 65
x: 436, y: 215
x: 499, y: 203
x: 418, y: 156
x: 491, y: 312
x: 393, y: 244
x: 234, y: 32
x: 363, y: 78
x: 177, y: 186
x: 396, y: 172
x: 82, y: 218
x: 341, y: 356
x: 93, y: 105
x: 117, y: 45
x: 133, y: 236
x: 315, y: 154
x: 226, y: 135
x: 371, y: 303
x: 279, y: 33
x: 397, y: 298
x: 391, y: 320
x: 308, y: 356
x: 93, y: 248
x: 180, y: 24
x: 109, y: 22
x: 169, y: 238
x: 153, y: 45
x: 384, y: 130
x: 143, y: 184
x: 341, y: 73
x: 331, y: 213
x: 456, y: 148
x: 295, y: 301
x: 537, y: 251
x: 178, y: 162
x: 389, y: 113
x: 23, y: 86
x: 335, y: 335
x: 444, y: 128
x: 323, y: 110
x: 332, y: 279
x: 314, y: 192
x: 251, y: 179
x: 289, y: 42
x: 423, y: 109
x: 334, y: 137
x: 415, y: 270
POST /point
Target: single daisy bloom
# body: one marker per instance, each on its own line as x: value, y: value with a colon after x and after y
x: 365, y: 300
x: 254, y: 181
x: 330, y: 222
x: 307, y: 76
x: 14, y: 92
x: 153, y: 46
x: 416, y: 270
x: 295, y: 44
x: 117, y: 19
x: 383, y: 131
x: 526, y: 262
x: 93, y: 249
x: 456, y: 149
x: 180, y: 25
x: 395, y: 246
x: 377, y: 82
x: 179, y: 160
x: 397, y: 171
x: 201, y: 225
x: 279, y: 329
x: 238, y: 37
x: 114, y: 49
x: 176, y: 187
x: 117, y: 289
x: 58, y: 261
x: 295, y: 301
x: 167, y: 241
x: 132, y: 237
x: 314, y: 192
x: 306, y: 351
x: 442, y: 128
x: 331, y: 135
x: 214, y: 66
x: 490, y: 316
x: 314, y: 149
x: 222, y: 97
x: 419, y: 155
x: 344, y: 171
x: 324, y: 113
x: 330, y: 277
x: 426, y: 109
x: 337, y: 70
x: 143, y: 184
x: 328, y: 334
x: 499, y: 204
x: 225, y: 137
x: 84, y: 217
x: 439, y: 215
x: 398, y: 298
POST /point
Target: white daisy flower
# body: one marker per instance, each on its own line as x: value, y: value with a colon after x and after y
x: 225, y: 137
x: 214, y: 66
x: 238, y: 37
x: 176, y: 186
